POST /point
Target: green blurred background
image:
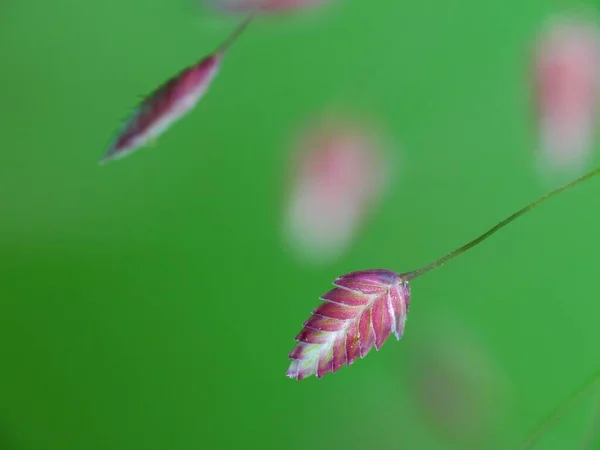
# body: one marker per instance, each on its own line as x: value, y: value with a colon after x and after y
x: 150, y: 304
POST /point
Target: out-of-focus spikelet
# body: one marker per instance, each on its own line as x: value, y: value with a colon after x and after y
x: 340, y: 170
x: 566, y: 80
x: 166, y: 105
x: 171, y: 101
x: 458, y: 386
x: 360, y: 313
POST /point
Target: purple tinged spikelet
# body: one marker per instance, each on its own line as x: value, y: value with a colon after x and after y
x: 171, y: 101
x: 167, y: 104
x: 358, y: 314
x: 367, y: 306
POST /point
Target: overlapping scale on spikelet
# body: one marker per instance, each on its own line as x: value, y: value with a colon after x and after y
x: 358, y: 314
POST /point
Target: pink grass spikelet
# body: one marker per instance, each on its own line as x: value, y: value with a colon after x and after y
x: 567, y: 85
x: 170, y: 102
x: 367, y: 306
x: 359, y: 314
x: 339, y: 173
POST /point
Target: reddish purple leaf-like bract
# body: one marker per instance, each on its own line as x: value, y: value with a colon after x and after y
x: 164, y: 106
x: 358, y: 314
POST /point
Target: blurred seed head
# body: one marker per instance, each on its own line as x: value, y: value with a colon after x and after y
x: 338, y: 174
x: 566, y: 76
x: 458, y: 387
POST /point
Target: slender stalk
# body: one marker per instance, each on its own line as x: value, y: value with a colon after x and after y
x: 444, y: 259
x: 560, y: 411
x: 226, y: 45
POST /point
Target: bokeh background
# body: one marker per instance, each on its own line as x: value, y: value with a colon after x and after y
x: 151, y: 303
